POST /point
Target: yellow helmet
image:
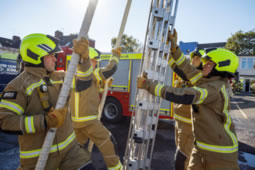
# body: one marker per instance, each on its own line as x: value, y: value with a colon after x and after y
x: 94, y: 53
x: 225, y: 60
x: 35, y: 46
x: 198, y: 52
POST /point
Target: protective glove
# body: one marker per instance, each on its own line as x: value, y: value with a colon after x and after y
x: 56, y: 118
x: 117, y: 52
x: 142, y: 81
x: 109, y: 82
x: 173, y: 39
x: 81, y: 47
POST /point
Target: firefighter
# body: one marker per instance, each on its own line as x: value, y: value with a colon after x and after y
x: 85, y: 116
x: 216, y: 144
x: 183, y: 124
x: 27, y: 108
x: 253, y: 88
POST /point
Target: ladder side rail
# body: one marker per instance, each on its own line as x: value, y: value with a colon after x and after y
x: 155, y: 55
x: 155, y: 115
x: 152, y: 58
x: 129, y: 141
x: 163, y: 50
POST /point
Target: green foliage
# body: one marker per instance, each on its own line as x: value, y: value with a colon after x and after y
x: 242, y: 43
x: 128, y: 43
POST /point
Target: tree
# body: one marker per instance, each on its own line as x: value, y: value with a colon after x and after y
x: 128, y: 43
x: 242, y: 43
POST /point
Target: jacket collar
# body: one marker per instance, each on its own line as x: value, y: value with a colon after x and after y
x: 36, y: 71
x: 211, y: 79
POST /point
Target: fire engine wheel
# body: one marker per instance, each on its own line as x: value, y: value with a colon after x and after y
x: 112, y: 110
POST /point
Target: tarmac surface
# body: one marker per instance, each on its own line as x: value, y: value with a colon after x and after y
x: 164, y: 148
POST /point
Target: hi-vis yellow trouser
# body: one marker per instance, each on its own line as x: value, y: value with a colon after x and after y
x: 95, y: 131
x: 200, y: 161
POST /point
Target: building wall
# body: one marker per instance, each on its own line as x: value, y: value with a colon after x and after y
x: 246, y: 71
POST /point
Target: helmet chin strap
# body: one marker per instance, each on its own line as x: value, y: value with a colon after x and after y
x: 214, y: 72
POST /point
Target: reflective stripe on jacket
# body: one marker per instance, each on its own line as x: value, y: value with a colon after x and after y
x: 89, y: 94
x: 24, y: 113
x: 213, y: 128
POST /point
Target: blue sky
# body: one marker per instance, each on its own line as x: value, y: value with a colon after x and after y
x: 204, y: 21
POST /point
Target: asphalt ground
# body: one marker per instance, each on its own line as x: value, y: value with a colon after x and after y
x: 164, y: 147
x: 242, y: 113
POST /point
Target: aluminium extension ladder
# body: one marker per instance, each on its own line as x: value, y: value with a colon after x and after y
x: 144, y: 121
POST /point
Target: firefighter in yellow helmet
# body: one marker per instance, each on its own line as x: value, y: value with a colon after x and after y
x: 216, y: 144
x: 182, y: 113
x: 27, y: 108
x: 85, y: 107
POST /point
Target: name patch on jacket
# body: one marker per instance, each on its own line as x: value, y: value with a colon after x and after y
x: 9, y: 95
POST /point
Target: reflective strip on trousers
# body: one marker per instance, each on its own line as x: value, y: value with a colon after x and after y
x: 83, y: 119
x: 195, y: 78
x: 86, y: 73
x: 117, y: 167
x: 12, y: 106
x: 227, y: 124
x: 158, y: 89
x: 180, y: 60
x: 29, y: 124
x: 54, y: 148
x: 203, y: 94
x: 182, y: 119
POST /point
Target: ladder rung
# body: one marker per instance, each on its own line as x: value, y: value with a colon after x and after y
x: 167, y: 49
x: 171, y: 20
x: 139, y: 136
x: 133, y: 164
x: 154, y: 75
x: 162, y: 62
x: 145, y: 105
x: 153, y: 44
x: 158, y: 12
x: 166, y: 16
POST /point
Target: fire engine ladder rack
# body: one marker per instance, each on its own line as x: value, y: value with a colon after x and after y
x: 144, y: 121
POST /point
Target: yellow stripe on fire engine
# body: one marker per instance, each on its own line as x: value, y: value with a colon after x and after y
x: 127, y: 56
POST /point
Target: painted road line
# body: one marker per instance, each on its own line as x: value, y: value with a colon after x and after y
x: 244, y: 115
